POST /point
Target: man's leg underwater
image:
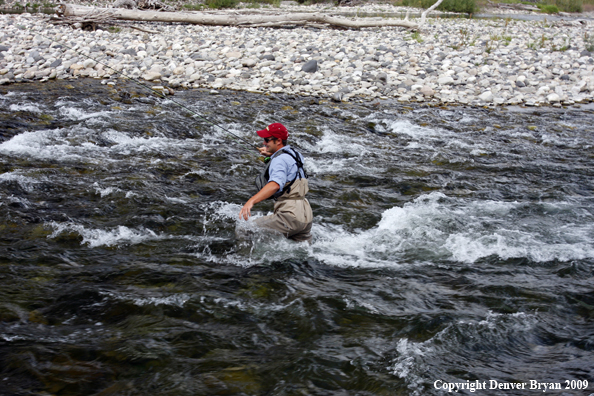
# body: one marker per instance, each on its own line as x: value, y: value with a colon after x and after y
x: 286, y: 225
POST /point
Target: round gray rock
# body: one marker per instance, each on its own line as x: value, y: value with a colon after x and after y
x: 310, y: 67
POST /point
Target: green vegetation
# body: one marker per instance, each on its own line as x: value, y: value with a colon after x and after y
x: 548, y: 8
x: 472, y: 6
x: 417, y: 37
x: 570, y: 5
x: 218, y: 4
x: 311, y: 1
x: 562, y: 48
x: 193, y: 7
x: 538, y: 43
x: 461, y: 6
x: 465, y: 40
x: 260, y: 3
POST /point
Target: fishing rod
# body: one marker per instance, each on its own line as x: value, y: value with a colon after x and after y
x: 160, y: 94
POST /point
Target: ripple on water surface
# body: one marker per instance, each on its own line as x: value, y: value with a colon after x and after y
x: 449, y: 244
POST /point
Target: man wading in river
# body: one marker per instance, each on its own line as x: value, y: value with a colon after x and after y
x: 292, y: 214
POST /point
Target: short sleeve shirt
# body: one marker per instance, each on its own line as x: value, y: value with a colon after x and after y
x: 283, y: 167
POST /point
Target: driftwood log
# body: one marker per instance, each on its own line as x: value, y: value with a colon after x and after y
x: 428, y: 10
x: 200, y: 18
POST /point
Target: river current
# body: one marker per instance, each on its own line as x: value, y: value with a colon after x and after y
x: 451, y: 246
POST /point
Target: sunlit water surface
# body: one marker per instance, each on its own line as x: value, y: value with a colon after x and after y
x: 451, y: 244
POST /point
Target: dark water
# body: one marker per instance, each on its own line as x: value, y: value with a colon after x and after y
x: 450, y: 244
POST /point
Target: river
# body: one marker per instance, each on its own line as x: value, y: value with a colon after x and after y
x: 451, y: 245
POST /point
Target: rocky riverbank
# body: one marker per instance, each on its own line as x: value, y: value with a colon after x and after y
x: 476, y: 62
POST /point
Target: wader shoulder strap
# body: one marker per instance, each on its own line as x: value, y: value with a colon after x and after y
x: 262, y: 178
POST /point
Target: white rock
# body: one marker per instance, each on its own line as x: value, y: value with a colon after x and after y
x: 89, y: 63
x: 486, y: 96
x: 543, y: 90
x: 553, y: 98
x: 248, y: 62
x: 427, y: 91
x: 445, y: 81
x: 151, y: 75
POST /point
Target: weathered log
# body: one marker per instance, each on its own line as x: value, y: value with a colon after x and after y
x: 428, y: 10
x: 200, y: 18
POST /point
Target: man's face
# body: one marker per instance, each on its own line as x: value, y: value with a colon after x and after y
x: 272, y: 144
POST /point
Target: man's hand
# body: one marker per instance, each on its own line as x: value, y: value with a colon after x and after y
x: 263, y: 151
x: 246, y: 211
x: 266, y: 192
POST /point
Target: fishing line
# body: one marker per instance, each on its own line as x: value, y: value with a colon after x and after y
x: 160, y: 94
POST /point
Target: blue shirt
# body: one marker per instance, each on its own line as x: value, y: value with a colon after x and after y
x: 283, y: 167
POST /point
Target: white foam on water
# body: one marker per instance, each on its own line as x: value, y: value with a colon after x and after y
x: 436, y: 227
x: 105, y: 191
x: 336, y: 143
x: 77, y: 144
x: 493, y: 333
x: 177, y: 200
x: 31, y: 107
x: 77, y: 114
x: 408, y: 352
x: 126, y: 144
x: 321, y: 166
x: 409, y: 363
x: 405, y: 127
x: 141, y: 299
x: 423, y: 138
x: 118, y: 236
x: 254, y: 246
x: 348, y: 152
x: 23, y: 201
x: 57, y: 144
x: 564, y: 140
x: 25, y: 182
x: 432, y: 228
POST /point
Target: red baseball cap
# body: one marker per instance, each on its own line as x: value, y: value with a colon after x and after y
x: 276, y: 130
